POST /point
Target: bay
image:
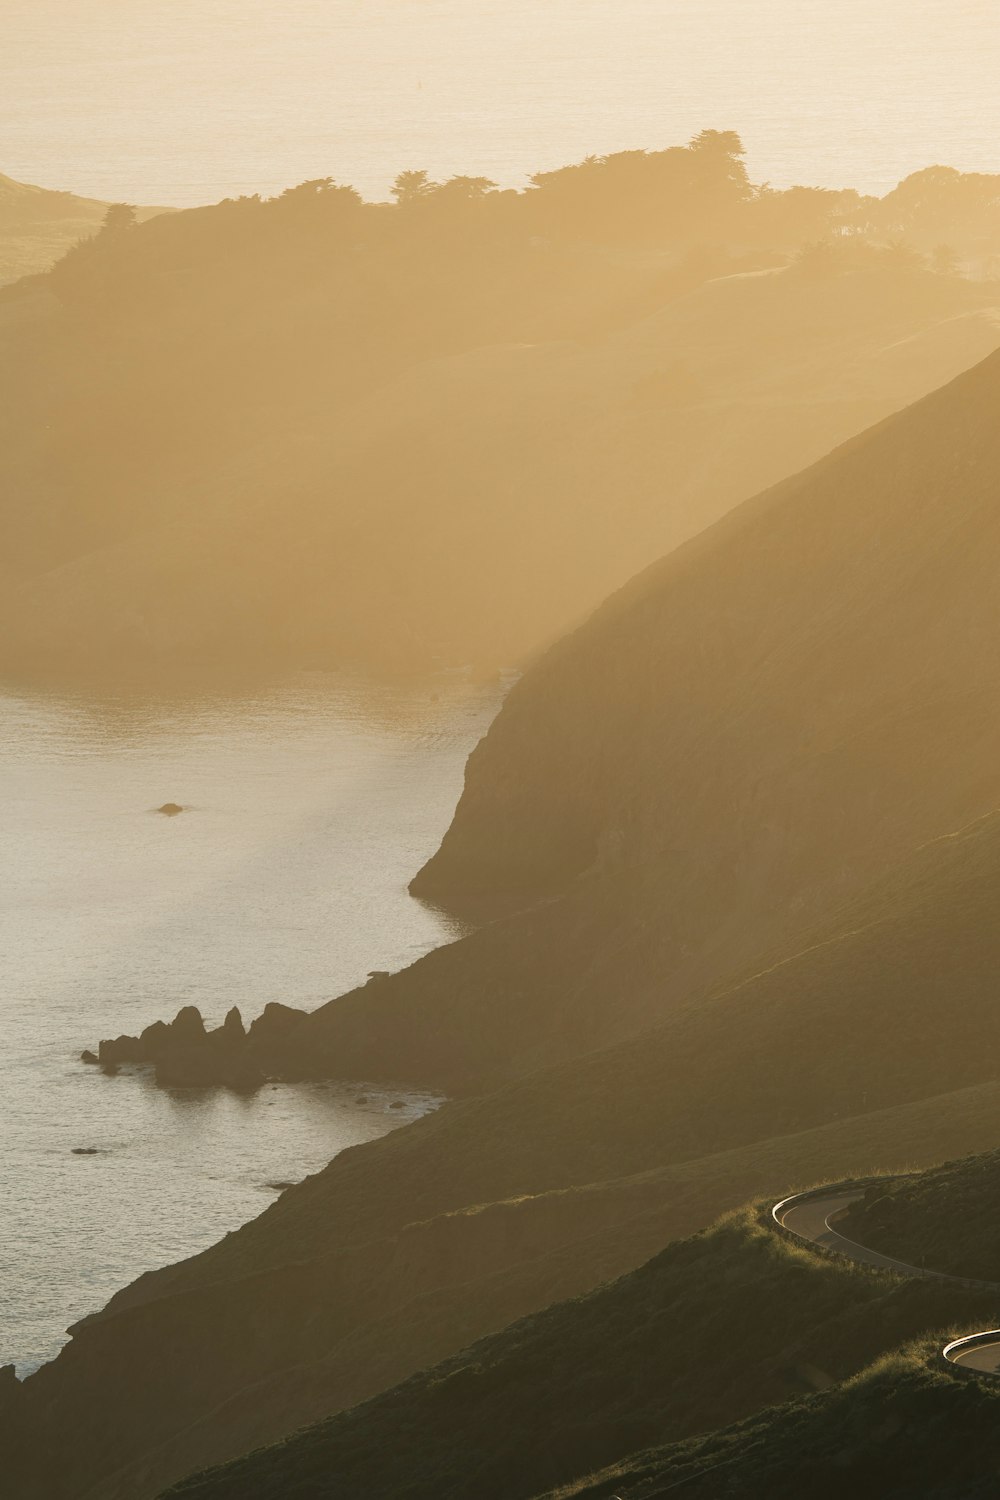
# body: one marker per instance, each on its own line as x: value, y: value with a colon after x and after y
x: 308, y: 806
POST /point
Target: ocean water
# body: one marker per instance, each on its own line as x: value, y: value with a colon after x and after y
x: 309, y: 806
x: 187, y: 101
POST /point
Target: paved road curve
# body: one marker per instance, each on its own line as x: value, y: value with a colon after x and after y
x: 811, y: 1216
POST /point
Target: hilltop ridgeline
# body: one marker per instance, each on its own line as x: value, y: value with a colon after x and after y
x: 317, y: 432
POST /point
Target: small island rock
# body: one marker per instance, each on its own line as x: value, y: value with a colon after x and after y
x: 185, y: 1054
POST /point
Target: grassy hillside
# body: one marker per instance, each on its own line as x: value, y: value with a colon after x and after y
x: 711, y: 1329
x: 38, y: 226
x: 906, y: 1427
x: 947, y: 1219
x: 315, y: 431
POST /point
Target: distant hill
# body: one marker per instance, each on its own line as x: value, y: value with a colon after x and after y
x: 38, y: 225
x: 315, y: 432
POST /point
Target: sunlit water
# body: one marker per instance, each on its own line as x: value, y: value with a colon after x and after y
x: 183, y: 101
x: 309, y: 807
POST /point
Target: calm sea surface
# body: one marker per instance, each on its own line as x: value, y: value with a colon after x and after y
x: 185, y: 101
x: 311, y: 805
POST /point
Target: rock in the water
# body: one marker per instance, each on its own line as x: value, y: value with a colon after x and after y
x: 153, y: 1039
x: 398, y: 1104
x: 232, y: 1027
x: 275, y: 1022
x: 122, y: 1049
x: 187, y: 1026
x: 202, y: 1067
x: 87, y: 1151
x: 89, y: 1057
x: 170, y: 809
x: 185, y: 1055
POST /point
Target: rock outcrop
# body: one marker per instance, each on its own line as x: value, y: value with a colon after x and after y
x: 184, y: 1054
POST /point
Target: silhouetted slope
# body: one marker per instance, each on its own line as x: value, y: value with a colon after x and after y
x: 711, y: 1329
x: 906, y: 1428
x: 947, y: 1219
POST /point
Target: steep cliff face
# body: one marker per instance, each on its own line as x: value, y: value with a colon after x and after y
x: 773, y: 709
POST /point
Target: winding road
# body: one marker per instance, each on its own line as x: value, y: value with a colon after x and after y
x: 811, y: 1216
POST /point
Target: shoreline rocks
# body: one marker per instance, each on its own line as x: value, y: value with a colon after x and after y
x: 184, y: 1054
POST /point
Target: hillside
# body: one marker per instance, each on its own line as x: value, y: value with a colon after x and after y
x: 711, y: 1329
x: 947, y: 1219
x: 733, y: 1314
x: 316, y: 431
x: 906, y: 1427
x: 825, y: 643
x: 38, y: 226
x: 403, y: 1252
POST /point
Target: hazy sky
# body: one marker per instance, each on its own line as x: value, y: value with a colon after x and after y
x: 186, y: 100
